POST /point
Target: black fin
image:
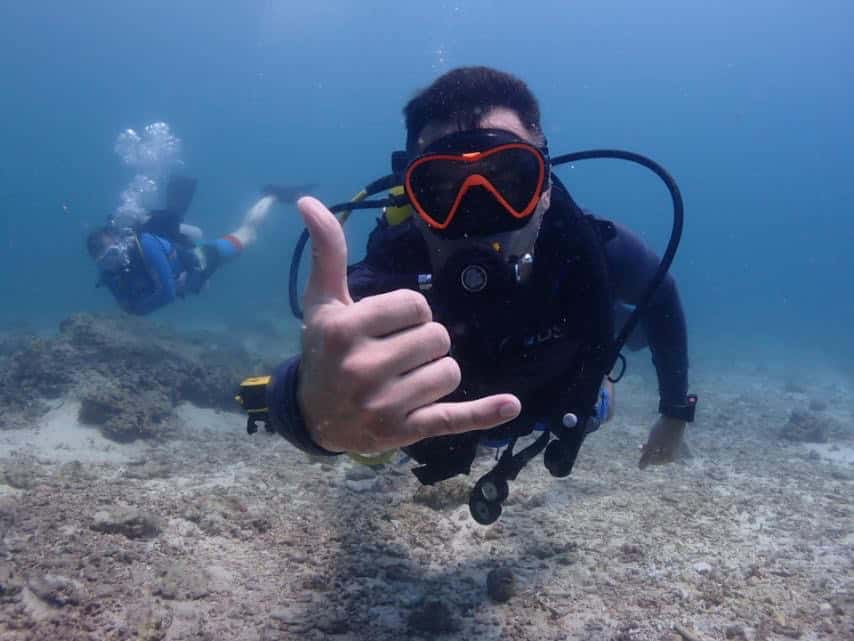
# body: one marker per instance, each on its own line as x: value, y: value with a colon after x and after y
x: 179, y: 194
x: 165, y: 223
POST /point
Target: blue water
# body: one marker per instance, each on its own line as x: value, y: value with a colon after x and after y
x: 748, y: 104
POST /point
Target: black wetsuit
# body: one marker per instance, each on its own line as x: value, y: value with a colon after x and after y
x: 397, y: 252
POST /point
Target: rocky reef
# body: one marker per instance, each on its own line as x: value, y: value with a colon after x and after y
x: 128, y: 373
x: 815, y: 427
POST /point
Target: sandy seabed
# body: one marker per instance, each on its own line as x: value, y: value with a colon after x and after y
x: 209, y: 534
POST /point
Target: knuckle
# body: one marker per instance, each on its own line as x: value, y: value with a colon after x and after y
x: 439, y: 338
x: 416, y: 305
x: 452, y: 374
x: 445, y: 421
x: 352, y: 370
x: 367, y: 363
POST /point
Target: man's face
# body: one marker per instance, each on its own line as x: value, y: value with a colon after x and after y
x: 113, y: 255
x: 496, y: 118
x: 511, y: 245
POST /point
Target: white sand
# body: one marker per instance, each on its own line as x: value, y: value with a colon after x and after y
x: 193, y: 420
x: 59, y: 437
x: 752, y: 535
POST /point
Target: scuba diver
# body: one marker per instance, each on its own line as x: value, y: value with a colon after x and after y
x: 150, y: 261
x: 485, y: 309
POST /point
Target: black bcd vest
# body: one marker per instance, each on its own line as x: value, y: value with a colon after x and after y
x: 548, y: 341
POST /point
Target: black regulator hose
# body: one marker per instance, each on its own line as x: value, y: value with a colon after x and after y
x: 293, y: 274
x: 380, y: 184
x: 672, y: 244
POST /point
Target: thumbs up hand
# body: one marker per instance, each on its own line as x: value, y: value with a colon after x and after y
x: 372, y: 372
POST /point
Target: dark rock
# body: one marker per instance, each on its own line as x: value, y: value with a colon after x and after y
x: 399, y: 572
x: 500, y: 585
x: 125, y: 417
x: 568, y: 558
x: 22, y: 475
x: 94, y: 411
x: 843, y: 604
x: 149, y: 470
x: 631, y: 553
x: 817, y: 405
x: 76, y: 472
x: 315, y: 582
x: 789, y: 631
x: 9, y: 584
x: 8, y: 507
x: 333, y: 623
x: 183, y: 581
x: 432, y: 617
x: 128, y: 522
x: 538, y: 500
x: 223, y: 514
x: 805, y: 427
x: 443, y: 496
x: 735, y: 632
x: 497, y: 532
x: 55, y: 590
x: 261, y: 524
x: 149, y: 623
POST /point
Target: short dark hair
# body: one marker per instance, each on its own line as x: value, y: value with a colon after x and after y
x: 464, y: 95
x: 97, y: 240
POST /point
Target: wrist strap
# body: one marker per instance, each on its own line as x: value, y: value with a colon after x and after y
x: 683, y: 412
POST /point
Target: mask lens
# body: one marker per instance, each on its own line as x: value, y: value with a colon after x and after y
x: 515, y: 172
x: 112, y: 260
x: 434, y: 185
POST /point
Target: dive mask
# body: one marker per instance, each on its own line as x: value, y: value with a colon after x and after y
x: 477, y: 182
x: 114, y: 259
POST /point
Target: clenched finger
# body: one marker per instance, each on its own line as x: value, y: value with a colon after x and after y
x: 424, y: 385
x: 388, y: 313
x: 404, y: 351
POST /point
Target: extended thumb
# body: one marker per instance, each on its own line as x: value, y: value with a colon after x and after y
x: 328, y: 279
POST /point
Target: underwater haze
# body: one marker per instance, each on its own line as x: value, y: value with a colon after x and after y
x: 134, y: 506
x: 747, y: 104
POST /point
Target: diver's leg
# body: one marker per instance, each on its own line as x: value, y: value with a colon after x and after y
x: 209, y: 257
x: 247, y: 233
x: 192, y: 232
x: 222, y: 250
